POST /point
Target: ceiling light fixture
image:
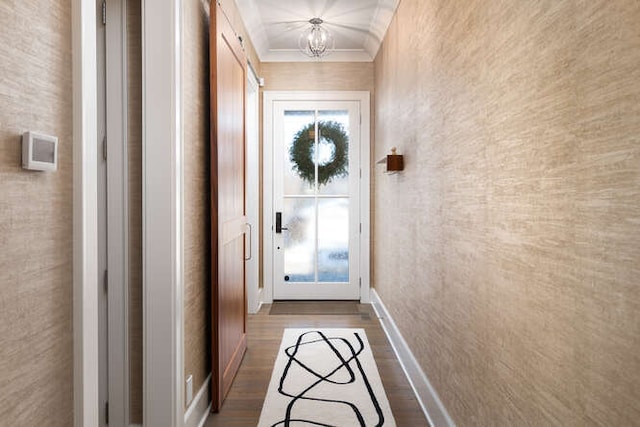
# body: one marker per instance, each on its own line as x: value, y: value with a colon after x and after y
x: 316, y: 41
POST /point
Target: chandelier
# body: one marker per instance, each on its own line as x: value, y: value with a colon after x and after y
x: 316, y: 41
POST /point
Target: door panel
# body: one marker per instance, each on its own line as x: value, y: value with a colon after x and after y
x: 229, y: 341
x: 316, y: 252
x: 333, y: 240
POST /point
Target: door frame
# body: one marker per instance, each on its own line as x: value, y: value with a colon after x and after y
x: 101, y: 168
x: 85, y: 215
x: 252, y: 191
x: 117, y: 211
x: 162, y: 214
x: 163, y: 299
x: 363, y: 97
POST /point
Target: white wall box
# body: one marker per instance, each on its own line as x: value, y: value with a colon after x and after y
x: 39, y: 151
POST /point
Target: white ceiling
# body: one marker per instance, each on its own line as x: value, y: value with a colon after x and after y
x: 358, y: 26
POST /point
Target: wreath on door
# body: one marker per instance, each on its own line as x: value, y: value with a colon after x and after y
x: 301, y: 152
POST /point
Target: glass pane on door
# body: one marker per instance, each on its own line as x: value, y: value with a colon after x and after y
x: 299, y: 240
x: 333, y: 123
x: 333, y: 240
x: 295, y: 122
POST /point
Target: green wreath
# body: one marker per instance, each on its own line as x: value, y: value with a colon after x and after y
x: 301, y: 152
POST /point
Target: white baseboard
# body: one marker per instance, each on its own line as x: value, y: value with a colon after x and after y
x: 260, y: 299
x: 431, y: 405
x: 198, y: 411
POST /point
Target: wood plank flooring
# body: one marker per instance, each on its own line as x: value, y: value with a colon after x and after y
x: 244, y: 402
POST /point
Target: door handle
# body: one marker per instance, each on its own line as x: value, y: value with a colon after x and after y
x: 279, y: 226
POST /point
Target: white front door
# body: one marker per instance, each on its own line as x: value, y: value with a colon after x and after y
x: 316, y: 218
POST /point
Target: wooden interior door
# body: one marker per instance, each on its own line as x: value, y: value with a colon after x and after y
x: 229, y: 339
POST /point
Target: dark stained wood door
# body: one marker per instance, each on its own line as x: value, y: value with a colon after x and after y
x: 229, y: 339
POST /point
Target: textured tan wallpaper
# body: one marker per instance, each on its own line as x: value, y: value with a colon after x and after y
x: 509, y: 249
x: 197, y: 212
x: 318, y: 75
x: 36, y: 335
x: 134, y: 151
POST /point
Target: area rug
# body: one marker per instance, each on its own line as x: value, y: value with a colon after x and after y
x: 325, y: 377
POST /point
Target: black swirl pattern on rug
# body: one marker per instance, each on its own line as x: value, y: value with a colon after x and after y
x: 349, y: 363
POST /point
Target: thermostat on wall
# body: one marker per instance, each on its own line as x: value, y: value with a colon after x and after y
x: 39, y: 151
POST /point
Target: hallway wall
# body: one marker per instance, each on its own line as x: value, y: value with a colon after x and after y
x: 197, y: 209
x: 318, y: 75
x: 508, y: 250
x: 36, y: 248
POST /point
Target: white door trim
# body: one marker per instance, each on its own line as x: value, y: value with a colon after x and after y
x: 85, y: 215
x: 252, y: 125
x: 162, y: 210
x: 101, y: 164
x: 117, y: 211
x: 365, y: 153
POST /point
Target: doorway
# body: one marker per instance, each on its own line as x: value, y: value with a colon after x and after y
x: 316, y: 196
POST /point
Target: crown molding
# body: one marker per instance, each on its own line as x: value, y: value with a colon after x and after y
x: 294, y: 55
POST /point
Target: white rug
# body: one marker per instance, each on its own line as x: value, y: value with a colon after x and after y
x: 325, y: 377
